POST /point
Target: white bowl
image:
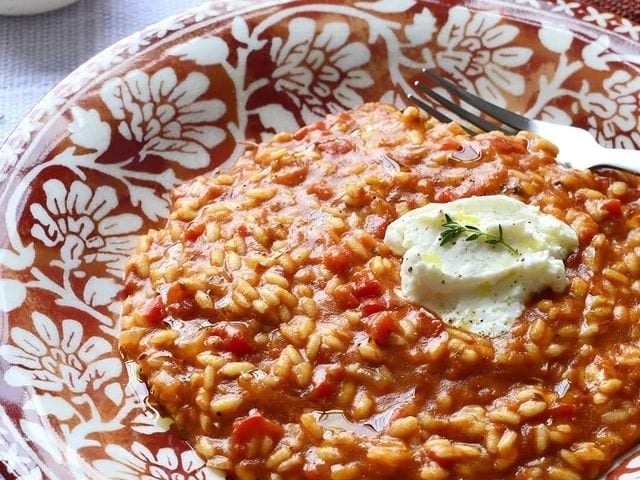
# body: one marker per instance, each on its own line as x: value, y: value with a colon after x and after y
x: 31, y: 7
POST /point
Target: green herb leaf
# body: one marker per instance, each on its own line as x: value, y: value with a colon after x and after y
x: 453, y: 230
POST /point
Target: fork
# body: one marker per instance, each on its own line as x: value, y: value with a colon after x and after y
x: 577, y: 148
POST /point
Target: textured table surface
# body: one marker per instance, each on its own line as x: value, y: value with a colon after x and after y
x: 37, y: 52
x: 626, y: 8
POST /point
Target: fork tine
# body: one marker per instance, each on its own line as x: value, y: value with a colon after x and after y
x: 505, y: 116
x: 435, y: 113
x: 429, y: 109
x: 481, y: 123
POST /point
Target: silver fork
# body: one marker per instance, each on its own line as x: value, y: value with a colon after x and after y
x: 577, y: 148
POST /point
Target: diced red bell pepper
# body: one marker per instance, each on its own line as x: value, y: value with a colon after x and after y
x: 130, y: 285
x: 211, y: 191
x: 291, y: 174
x: 238, y: 340
x: 234, y: 337
x: 175, y: 293
x: 185, y: 308
x: 365, y: 284
x: 304, y: 131
x: 562, y: 410
x: 373, y: 305
x: 254, y: 426
x: 380, y: 326
x: 338, y: 259
x: 613, y: 207
x: 339, y: 146
x: 243, y: 230
x: 447, y: 143
x: 376, y: 225
x: 509, y: 146
x: 154, y: 311
x: 193, y: 231
x: 238, y: 345
x: 444, y: 196
x: 321, y: 190
x: 429, y: 325
x: 325, y: 381
x: 344, y: 296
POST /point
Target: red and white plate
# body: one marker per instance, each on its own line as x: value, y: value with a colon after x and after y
x: 88, y: 170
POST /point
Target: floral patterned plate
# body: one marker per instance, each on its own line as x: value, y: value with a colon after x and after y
x: 89, y: 168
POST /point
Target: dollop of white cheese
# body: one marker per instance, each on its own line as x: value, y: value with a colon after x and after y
x: 476, y: 285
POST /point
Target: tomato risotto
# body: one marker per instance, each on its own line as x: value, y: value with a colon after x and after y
x: 267, y: 317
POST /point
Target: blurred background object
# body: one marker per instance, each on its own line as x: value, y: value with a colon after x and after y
x: 36, y: 52
x: 31, y: 7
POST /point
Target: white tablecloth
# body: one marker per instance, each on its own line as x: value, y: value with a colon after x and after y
x: 37, y: 52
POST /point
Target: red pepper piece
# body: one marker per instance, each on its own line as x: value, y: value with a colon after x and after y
x: 193, y: 231
x: 339, y: 146
x: 154, y: 311
x: 239, y: 345
x: 321, y: 190
x: 373, y: 305
x: 234, y: 337
x: 344, y: 296
x: 376, y: 225
x: 254, y: 426
x: 613, y: 207
x: 562, y: 410
x: 429, y: 325
x: 365, y: 284
x: 380, y: 326
x: 338, y: 259
x: 176, y: 293
x: 325, y: 381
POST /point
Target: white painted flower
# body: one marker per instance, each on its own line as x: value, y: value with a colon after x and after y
x: 477, y: 52
x: 171, y: 24
x: 614, y: 119
x: 555, y: 38
x: 139, y: 463
x: 568, y: 8
x: 138, y: 41
x: 77, y: 221
x: 422, y: 28
x: 599, y: 18
x: 54, y: 356
x: 203, y: 12
x: 215, y: 9
x: 629, y: 28
x: 393, y: 97
x: 320, y: 71
x: 166, y: 116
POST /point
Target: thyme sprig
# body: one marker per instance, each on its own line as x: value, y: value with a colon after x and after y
x: 453, y: 230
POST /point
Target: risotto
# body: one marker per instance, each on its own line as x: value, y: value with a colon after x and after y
x: 267, y: 319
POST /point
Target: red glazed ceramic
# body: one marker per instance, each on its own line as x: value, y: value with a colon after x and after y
x: 89, y: 169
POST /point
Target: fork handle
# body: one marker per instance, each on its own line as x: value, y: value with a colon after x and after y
x: 621, y: 158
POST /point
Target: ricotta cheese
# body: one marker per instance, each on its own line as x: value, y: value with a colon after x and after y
x: 472, y: 284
